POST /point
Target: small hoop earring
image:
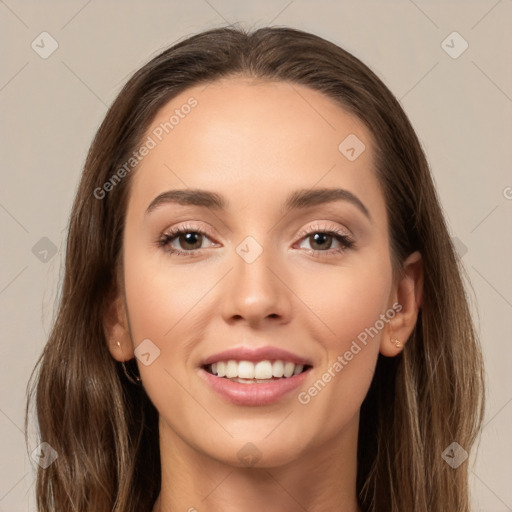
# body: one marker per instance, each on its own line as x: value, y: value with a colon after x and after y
x: 396, y: 342
x: 137, y: 379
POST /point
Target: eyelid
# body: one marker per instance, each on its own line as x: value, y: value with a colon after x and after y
x: 342, y: 236
x: 324, y: 227
x: 186, y: 228
x: 332, y: 229
x: 189, y: 226
x: 302, y: 233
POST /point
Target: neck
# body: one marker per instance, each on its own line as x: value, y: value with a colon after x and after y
x: 318, y: 479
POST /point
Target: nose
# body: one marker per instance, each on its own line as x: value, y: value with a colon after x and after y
x: 257, y: 292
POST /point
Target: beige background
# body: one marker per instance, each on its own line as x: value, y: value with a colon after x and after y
x: 51, y: 108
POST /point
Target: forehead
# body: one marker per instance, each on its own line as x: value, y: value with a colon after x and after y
x: 252, y: 137
x: 255, y: 112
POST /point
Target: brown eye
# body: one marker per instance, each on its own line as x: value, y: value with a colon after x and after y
x: 191, y: 238
x: 183, y: 240
x: 318, y: 241
x: 321, y: 241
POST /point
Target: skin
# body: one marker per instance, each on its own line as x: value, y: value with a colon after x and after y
x: 254, y: 142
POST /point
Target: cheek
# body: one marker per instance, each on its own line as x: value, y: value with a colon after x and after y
x: 350, y: 306
x: 160, y: 296
x: 362, y: 301
x: 346, y: 300
x: 165, y: 305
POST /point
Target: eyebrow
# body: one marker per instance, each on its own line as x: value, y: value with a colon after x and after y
x: 299, y: 199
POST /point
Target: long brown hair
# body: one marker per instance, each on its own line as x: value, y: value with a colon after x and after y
x: 105, y: 429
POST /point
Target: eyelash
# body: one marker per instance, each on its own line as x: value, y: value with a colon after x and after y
x: 164, y: 241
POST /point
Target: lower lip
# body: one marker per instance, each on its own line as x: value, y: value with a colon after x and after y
x: 253, y: 394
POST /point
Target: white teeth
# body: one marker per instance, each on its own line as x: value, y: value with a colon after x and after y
x: 263, y: 370
x: 221, y: 369
x: 298, y: 369
x: 260, y: 371
x: 246, y: 370
x: 250, y: 381
x: 288, y: 369
x: 232, y: 369
x: 278, y: 369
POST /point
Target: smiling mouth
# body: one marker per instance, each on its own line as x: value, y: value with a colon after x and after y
x: 260, y: 372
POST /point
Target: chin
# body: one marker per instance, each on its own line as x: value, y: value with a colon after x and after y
x: 257, y: 453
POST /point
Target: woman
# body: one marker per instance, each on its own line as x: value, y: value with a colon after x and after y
x: 262, y: 308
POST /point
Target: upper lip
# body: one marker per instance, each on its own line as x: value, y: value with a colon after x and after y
x: 256, y: 354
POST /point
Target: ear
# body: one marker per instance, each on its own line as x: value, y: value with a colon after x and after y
x: 117, y: 331
x: 407, y: 297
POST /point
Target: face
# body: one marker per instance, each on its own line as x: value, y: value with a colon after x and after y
x: 306, y: 282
